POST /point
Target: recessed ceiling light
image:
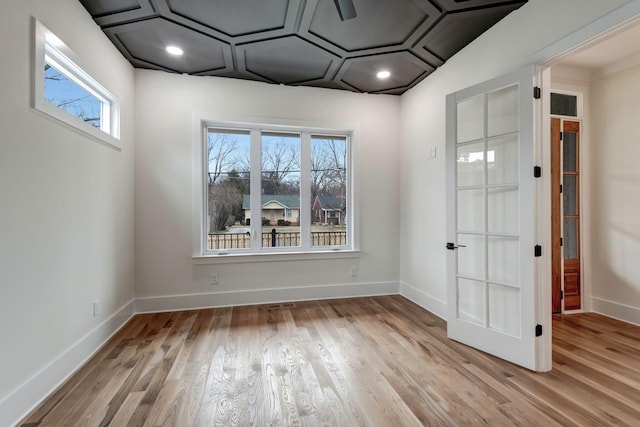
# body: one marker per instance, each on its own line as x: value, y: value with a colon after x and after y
x: 384, y: 74
x: 174, y: 50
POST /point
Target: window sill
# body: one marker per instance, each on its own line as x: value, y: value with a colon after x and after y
x: 53, y: 113
x: 272, y: 257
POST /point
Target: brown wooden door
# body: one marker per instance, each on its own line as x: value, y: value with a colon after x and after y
x: 565, y: 217
x: 556, y: 229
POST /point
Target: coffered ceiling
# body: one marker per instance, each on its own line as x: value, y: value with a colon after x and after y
x: 298, y: 42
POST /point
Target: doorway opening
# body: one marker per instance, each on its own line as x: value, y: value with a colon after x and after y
x: 590, y: 235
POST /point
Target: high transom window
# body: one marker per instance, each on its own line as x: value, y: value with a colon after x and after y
x: 66, y: 92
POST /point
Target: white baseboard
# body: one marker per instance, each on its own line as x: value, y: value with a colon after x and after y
x: 263, y: 296
x: 616, y: 310
x: 25, y: 398
x: 426, y: 301
x: 29, y: 395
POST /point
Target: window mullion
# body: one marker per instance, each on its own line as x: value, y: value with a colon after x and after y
x: 349, y: 216
x: 255, y: 189
x: 305, y: 191
x: 105, y: 117
x: 205, y: 190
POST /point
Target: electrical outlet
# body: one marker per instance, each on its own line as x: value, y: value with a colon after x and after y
x: 96, y: 308
x: 353, y: 271
x: 214, y: 278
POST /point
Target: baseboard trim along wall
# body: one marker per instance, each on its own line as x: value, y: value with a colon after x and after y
x: 426, y: 301
x: 263, y: 296
x: 25, y: 398
x: 616, y: 310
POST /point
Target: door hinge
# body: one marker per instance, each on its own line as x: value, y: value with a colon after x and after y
x: 537, y: 250
x: 537, y: 171
x: 537, y: 93
x: 561, y: 135
x: 538, y: 330
x: 560, y: 188
x: 561, y: 241
x: 561, y: 295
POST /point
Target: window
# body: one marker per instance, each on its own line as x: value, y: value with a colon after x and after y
x: 64, y: 91
x: 565, y: 104
x: 274, y: 190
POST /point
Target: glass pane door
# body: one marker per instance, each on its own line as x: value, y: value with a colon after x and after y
x: 487, y: 193
x: 490, y: 218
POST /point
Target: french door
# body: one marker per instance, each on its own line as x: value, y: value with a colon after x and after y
x: 490, y: 218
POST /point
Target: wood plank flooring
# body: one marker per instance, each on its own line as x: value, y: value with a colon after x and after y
x: 380, y: 361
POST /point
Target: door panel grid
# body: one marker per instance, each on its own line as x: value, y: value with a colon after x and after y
x: 488, y: 200
x: 490, y: 225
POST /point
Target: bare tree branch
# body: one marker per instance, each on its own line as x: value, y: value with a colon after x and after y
x: 279, y: 160
x: 219, y: 149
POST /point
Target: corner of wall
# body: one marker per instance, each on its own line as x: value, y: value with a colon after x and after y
x: 426, y: 301
x: 616, y: 310
x: 32, y: 392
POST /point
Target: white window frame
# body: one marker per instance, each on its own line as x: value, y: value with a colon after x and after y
x: 48, y: 48
x: 202, y: 255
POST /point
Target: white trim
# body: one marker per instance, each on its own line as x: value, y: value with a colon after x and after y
x: 17, y: 404
x: 598, y: 30
x: 430, y: 303
x: 255, y: 192
x: 619, y: 311
x: 264, y: 296
x: 338, y: 253
x: 305, y: 216
x: 542, y: 188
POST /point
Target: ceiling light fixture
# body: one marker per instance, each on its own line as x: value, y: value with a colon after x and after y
x: 174, y: 50
x: 384, y: 74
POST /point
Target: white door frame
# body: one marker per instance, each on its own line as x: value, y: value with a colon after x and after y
x: 607, y: 26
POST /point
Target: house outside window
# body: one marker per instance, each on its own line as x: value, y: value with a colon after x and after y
x: 276, y: 190
x: 274, y: 207
x: 328, y: 209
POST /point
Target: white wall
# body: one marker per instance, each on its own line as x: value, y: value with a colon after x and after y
x: 615, y: 202
x: 505, y: 47
x: 165, y: 104
x: 66, y: 204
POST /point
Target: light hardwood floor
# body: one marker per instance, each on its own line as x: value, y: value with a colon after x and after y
x: 380, y: 361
